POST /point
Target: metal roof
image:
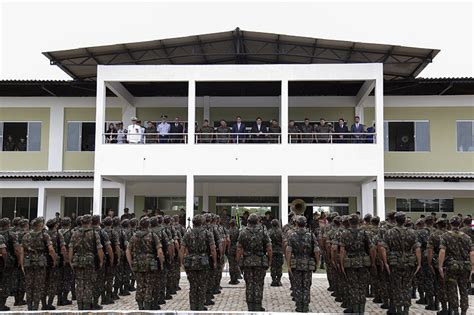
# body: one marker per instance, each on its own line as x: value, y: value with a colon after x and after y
x: 74, y: 88
x: 45, y: 175
x: 430, y: 175
x: 243, y: 47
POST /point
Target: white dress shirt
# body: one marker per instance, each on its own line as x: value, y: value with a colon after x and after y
x: 163, y: 128
x: 134, y: 133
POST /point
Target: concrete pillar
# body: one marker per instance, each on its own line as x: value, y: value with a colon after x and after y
x: 189, y: 197
x: 56, y: 135
x: 205, y: 196
x: 127, y: 113
x: 130, y: 200
x: 41, y: 202
x: 359, y: 201
x: 191, y: 111
x: 284, y: 112
x: 367, y: 198
x: 359, y: 111
x: 284, y: 199
x: 381, y: 196
x: 122, y: 198
x: 97, y: 195
x: 207, y: 109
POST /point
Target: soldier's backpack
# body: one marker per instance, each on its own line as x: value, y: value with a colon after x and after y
x: 142, y: 260
x: 255, y: 254
x: 463, y: 264
x: 405, y: 258
x: 11, y: 258
x: 35, y: 254
x: 82, y: 258
x: 359, y: 258
x: 303, y: 259
x: 198, y: 257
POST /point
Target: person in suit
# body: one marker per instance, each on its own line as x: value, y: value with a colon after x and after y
x: 370, y: 138
x: 339, y: 129
x: 176, y: 131
x: 258, y: 131
x: 238, y: 130
x: 357, y: 128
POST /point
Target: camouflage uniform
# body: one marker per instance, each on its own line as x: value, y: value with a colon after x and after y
x: 66, y: 275
x: 383, y: 276
x: 53, y: 273
x: 470, y: 232
x: 234, y: 269
x: 276, y: 236
x: 302, y: 245
x: 356, y: 245
x: 171, y: 272
x: 424, y: 279
x: 217, y: 275
x: 11, y: 241
x: 254, y: 241
x: 401, y: 244
x: 182, y: 230
x: 110, y: 270
x: 35, y: 245
x: 458, y: 247
x: 198, y: 243
x: 20, y: 293
x: 166, y: 245
x: 434, y: 243
x: 143, y: 249
x: 85, y: 242
x: 100, y: 271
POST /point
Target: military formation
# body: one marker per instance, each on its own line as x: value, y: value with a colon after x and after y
x: 96, y: 261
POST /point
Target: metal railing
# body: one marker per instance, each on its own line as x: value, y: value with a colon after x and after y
x: 332, y: 137
x: 239, y: 138
x: 145, y: 138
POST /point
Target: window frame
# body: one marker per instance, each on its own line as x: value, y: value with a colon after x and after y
x: 424, y: 205
x: 30, y: 216
x: 80, y: 134
x: 456, y: 134
x: 414, y: 121
x: 27, y: 122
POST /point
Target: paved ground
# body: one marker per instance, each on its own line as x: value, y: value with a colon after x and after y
x: 276, y: 299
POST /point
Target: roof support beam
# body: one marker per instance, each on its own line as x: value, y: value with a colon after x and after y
x: 364, y: 92
x: 121, y: 91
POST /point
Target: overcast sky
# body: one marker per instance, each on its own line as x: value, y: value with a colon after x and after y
x: 30, y: 28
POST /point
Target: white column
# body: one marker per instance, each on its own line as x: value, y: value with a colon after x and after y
x: 205, y: 196
x: 367, y: 198
x: 122, y: 198
x: 359, y: 111
x: 56, y: 136
x: 189, y: 197
x: 359, y: 201
x: 381, y: 196
x: 97, y: 195
x: 130, y: 199
x: 284, y: 199
x: 191, y: 111
x: 127, y: 113
x: 41, y: 202
x: 284, y: 112
x: 207, y: 109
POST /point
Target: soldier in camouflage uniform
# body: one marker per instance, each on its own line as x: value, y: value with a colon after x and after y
x: 325, y: 246
x: 302, y: 255
x: 276, y: 236
x: 456, y: 255
x: 36, y: 248
x: 17, y: 273
x: 65, y: 272
x: 357, y: 254
x: 197, y: 246
x: 129, y: 233
x: 85, y: 245
x: 211, y: 278
x: 234, y: 270
x: 368, y: 227
x: 11, y: 263
x: 423, y: 278
x: 182, y: 230
x: 121, y: 268
x: 253, y: 244
x: 377, y: 281
x: 159, y: 283
x: 3, y: 258
x: 401, y: 256
x: 470, y: 232
x: 52, y: 276
x: 171, y: 266
x: 23, y: 228
x: 108, y: 261
x: 385, y: 291
x: 145, y: 256
x: 219, y: 234
x: 111, y: 261
x: 434, y: 243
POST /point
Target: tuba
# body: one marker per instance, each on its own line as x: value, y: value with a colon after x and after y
x: 298, y: 206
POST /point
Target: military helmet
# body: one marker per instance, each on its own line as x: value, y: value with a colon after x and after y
x: 24, y: 222
x: 253, y: 218
x: 86, y: 219
x: 37, y: 221
x: 133, y: 222
x: 198, y: 220
x: 420, y: 221
x: 154, y: 221
x: 399, y: 214
x: 125, y: 223
x: 354, y: 218
x: 367, y: 217
x: 107, y: 221
x: 144, y: 222
x: 275, y: 223
x: 455, y: 220
x: 337, y: 219
x: 66, y: 221
x: 95, y: 219
x: 16, y: 221
x: 4, y: 222
x: 116, y: 221
x: 333, y: 215
x: 51, y: 223
x: 301, y: 220
x: 166, y: 219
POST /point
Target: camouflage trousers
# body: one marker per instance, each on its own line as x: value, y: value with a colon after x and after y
x: 210, y: 283
x: 440, y: 288
x: 254, y: 278
x: 155, y: 286
x: 197, y: 288
x: 234, y: 270
x: 170, y: 281
x: 7, y: 282
x: 85, y: 283
x: 35, y: 284
x: 427, y: 279
x: 109, y: 273
x: 457, y: 280
x: 400, y: 285
x: 66, y: 278
x: 276, y: 267
x: 176, y: 274
x: 144, y: 292
x: 383, y: 279
x: 162, y: 282
x: 330, y: 270
x: 357, y: 282
x: 99, y: 286
x: 302, y: 283
x: 52, y: 281
x: 217, y: 276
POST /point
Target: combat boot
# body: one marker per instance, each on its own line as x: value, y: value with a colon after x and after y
x: 131, y: 287
x: 3, y: 307
x: 362, y: 308
x: 422, y: 299
x: 140, y: 305
x: 385, y: 305
x: 436, y: 304
x: 250, y: 307
x: 348, y: 310
x: 19, y: 301
x: 115, y: 294
x: 147, y: 306
x: 413, y: 293
x: 444, y: 309
x: 377, y: 299
x: 430, y: 302
x: 259, y: 307
x: 73, y: 294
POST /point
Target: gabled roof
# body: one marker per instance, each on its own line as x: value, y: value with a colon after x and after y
x: 243, y: 47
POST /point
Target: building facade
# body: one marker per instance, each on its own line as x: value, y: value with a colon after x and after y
x: 417, y: 158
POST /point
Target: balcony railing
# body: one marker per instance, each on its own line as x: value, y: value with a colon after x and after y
x: 240, y: 138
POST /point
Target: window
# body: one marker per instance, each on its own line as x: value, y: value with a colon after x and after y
x: 80, y: 136
x: 20, y: 136
x: 167, y: 203
x: 110, y: 203
x: 331, y: 204
x: 425, y: 205
x: 83, y: 205
x: 407, y: 136
x: 465, y: 135
x: 26, y: 207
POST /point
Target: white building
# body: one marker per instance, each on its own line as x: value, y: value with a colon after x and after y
x: 419, y: 159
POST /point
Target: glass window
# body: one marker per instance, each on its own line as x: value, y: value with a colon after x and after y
x: 77, y: 205
x: 110, y: 203
x: 422, y: 136
x: 407, y: 136
x: 446, y: 205
x: 20, y: 136
x: 465, y: 136
x: 403, y: 205
x: 73, y: 136
x: 8, y: 207
x: 81, y: 136
x: 88, y: 136
x: 26, y: 207
x: 34, y: 136
x: 425, y: 205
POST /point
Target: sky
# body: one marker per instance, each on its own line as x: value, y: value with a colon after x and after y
x: 29, y: 28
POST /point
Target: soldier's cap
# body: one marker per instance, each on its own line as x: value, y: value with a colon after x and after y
x: 4, y: 222
x: 144, y: 221
x: 125, y: 223
x: 334, y: 214
x: 400, y: 214
x: 16, y: 221
x: 133, y: 221
x: 354, y: 218
x: 107, y: 221
x: 66, y: 221
x: 345, y: 219
x: 442, y: 221
x: 455, y: 220
x: 86, y: 219
x: 37, y: 221
x: 198, y: 219
x: 167, y: 219
x: 301, y: 220
x: 253, y: 218
x: 275, y: 223
x: 420, y: 221
x: 51, y: 223
x: 24, y: 222
x: 337, y: 219
x: 134, y: 118
x: 367, y: 217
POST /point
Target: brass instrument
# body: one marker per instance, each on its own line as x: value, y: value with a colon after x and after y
x: 298, y: 206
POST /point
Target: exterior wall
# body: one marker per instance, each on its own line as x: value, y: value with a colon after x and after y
x: 26, y: 161
x: 249, y: 113
x: 77, y: 160
x: 443, y: 156
x: 461, y: 205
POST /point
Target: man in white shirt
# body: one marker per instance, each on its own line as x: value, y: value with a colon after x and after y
x: 163, y: 129
x: 121, y: 133
x: 134, y: 131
